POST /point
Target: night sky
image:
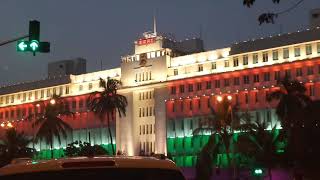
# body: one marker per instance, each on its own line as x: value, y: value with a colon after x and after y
x: 105, y: 29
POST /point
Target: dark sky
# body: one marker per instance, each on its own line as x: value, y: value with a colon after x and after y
x: 105, y: 29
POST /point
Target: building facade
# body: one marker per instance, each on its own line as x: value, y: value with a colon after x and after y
x: 170, y: 86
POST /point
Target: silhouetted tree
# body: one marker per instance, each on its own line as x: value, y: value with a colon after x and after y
x: 107, y: 102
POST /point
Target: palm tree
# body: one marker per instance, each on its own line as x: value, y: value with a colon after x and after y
x: 260, y: 144
x: 107, y: 102
x: 291, y: 109
x: 222, y: 123
x: 50, y: 123
x: 14, y: 145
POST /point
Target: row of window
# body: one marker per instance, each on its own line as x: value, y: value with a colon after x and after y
x: 266, y: 76
x: 148, y: 55
x: 143, y: 76
x: 147, y: 129
x: 254, y: 97
x: 146, y: 95
x: 257, y: 114
x: 146, y: 111
x: 147, y: 147
x: 265, y: 57
x: 18, y: 113
x: 36, y: 95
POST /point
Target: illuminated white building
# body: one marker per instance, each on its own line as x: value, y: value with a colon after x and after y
x: 170, y: 86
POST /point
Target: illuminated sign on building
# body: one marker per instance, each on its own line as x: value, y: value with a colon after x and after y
x: 146, y: 41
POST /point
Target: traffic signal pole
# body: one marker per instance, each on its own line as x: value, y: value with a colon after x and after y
x: 13, y: 40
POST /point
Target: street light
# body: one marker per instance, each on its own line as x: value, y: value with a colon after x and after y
x: 52, y: 101
x: 229, y: 97
x: 9, y: 125
x: 38, y: 105
x: 219, y: 98
x: 2, y: 125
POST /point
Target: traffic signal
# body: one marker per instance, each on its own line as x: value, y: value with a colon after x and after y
x: 34, y: 44
x: 34, y: 31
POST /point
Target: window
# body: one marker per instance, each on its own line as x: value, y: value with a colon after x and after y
x: 256, y: 96
x: 299, y: 72
x: 266, y: 76
x: 308, y: 49
x: 181, y: 106
x: 30, y: 95
x: 209, y: 104
x: 74, y: 104
x: 190, y: 87
x: 175, y: 72
x: 265, y: 56
x: 245, y: 59
x: 36, y: 95
x: 61, y: 90
x: 199, y: 86
x: 275, y: 55
x: 311, y: 90
x: 213, y: 65
x: 90, y: 86
x: 81, y: 103
x: 285, y: 53
x: 217, y: 83
x: 297, y: 51
x: 80, y: 87
x: 200, y: 67
x: 226, y: 63
x: 54, y: 91
x: 236, y: 81
x: 246, y: 98
x: 208, y: 84
x: 256, y: 78
x: 246, y: 80
x: 318, y: 48
x: 12, y: 98
x: 277, y: 75
x: 199, y: 104
x: 310, y: 70
x: 67, y: 90
x: 255, y: 58
x: 173, y: 90
x: 140, y: 110
x: 288, y: 73
x: 190, y: 105
x: 226, y: 82
x: 235, y: 62
x: 181, y: 88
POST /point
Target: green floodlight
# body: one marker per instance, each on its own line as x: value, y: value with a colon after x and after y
x: 258, y: 172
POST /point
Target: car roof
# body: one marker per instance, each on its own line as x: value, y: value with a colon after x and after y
x: 29, y: 166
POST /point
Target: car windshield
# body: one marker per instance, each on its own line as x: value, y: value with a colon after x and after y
x: 103, y: 173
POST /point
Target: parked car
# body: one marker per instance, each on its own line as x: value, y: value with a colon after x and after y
x: 86, y: 168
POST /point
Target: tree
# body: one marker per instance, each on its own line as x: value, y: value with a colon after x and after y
x: 14, y: 145
x: 79, y: 148
x: 107, y: 102
x: 260, y: 144
x: 50, y: 123
x: 271, y: 16
x: 221, y: 123
x: 292, y: 103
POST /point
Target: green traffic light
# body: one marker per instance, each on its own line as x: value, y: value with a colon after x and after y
x: 22, y: 46
x: 258, y: 171
x: 34, y: 45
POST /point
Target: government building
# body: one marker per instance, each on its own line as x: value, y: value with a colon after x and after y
x: 170, y: 87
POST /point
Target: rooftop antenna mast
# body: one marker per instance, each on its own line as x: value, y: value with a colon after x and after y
x: 154, y: 24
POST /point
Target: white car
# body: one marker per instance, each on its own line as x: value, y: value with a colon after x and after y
x: 92, y: 168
